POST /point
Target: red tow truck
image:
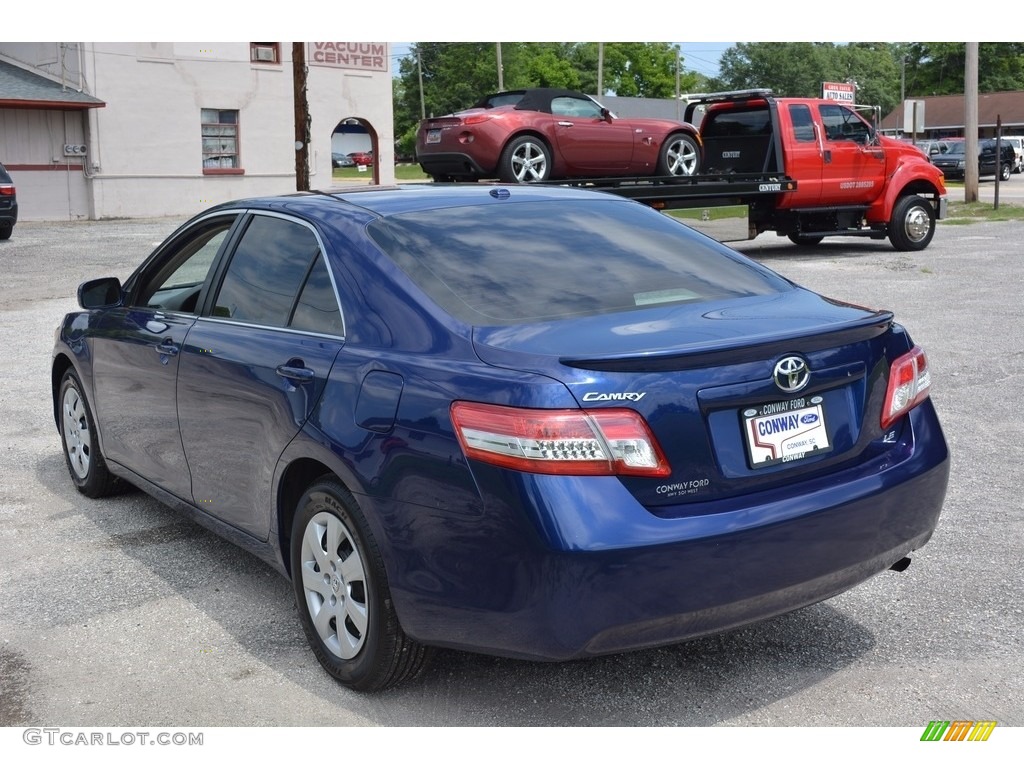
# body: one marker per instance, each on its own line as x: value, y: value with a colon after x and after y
x: 805, y: 168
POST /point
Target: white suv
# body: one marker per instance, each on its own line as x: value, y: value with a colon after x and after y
x: 1017, y: 142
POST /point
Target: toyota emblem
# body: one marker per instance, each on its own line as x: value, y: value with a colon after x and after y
x: 792, y: 374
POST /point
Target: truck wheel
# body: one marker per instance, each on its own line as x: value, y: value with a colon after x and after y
x: 806, y: 239
x: 912, y: 224
x: 679, y: 156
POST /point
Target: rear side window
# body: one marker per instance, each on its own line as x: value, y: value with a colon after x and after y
x: 508, y: 263
x: 269, y: 266
x: 803, y: 124
x: 316, y: 308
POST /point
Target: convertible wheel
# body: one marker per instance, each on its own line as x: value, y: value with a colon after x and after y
x: 912, y: 225
x: 679, y: 156
x: 81, y: 446
x: 343, y: 596
x: 525, y: 159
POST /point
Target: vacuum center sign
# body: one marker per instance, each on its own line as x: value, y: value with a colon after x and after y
x: 372, y: 57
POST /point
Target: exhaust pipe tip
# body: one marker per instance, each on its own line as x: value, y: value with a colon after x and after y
x: 900, y: 565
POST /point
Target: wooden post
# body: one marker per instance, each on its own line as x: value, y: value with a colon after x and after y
x: 302, y: 122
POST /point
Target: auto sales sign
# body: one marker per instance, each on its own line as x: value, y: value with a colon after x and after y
x: 844, y: 92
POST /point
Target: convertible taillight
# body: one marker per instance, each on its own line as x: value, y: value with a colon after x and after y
x: 612, y: 441
x: 909, y: 381
x: 474, y: 119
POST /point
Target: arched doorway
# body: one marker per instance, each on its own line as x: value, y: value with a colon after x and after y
x: 355, y: 138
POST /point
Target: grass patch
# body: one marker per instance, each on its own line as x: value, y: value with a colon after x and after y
x: 403, y: 172
x: 713, y: 213
x: 967, y: 213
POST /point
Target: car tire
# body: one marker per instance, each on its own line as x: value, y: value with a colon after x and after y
x: 81, y: 440
x: 805, y: 240
x: 525, y: 159
x: 342, y: 593
x: 1004, y: 173
x: 5, y: 231
x: 912, y: 225
x: 679, y: 156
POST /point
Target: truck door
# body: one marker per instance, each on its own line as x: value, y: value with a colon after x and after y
x: 804, y: 152
x: 852, y: 172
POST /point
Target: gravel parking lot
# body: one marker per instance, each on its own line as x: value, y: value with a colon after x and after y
x: 120, y: 612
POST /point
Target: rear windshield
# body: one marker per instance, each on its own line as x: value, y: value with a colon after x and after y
x: 508, y: 262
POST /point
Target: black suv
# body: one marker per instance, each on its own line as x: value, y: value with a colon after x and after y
x: 952, y: 162
x: 8, y: 204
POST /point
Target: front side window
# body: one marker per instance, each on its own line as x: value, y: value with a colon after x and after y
x: 176, y: 282
x: 572, y: 107
x: 843, y: 124
x: 220, y: 141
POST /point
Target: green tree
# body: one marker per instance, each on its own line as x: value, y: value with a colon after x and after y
x: 937, y: 69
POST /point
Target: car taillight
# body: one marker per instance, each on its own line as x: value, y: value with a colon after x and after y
x: 474, y: 119
x: 909, y: 381
x: 612, y: 441
x: 7, y: 190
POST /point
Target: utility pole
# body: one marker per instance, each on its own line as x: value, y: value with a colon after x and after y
x: 600, y: 70
x: 501, y: 70
x: 302, y: 122
x: 971, y: 124
x: 423, y: 102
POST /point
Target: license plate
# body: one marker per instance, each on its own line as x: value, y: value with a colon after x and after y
x: 786, y: 431
x: 434, y: 136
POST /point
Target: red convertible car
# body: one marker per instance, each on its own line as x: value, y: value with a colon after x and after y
x: 550, y: 133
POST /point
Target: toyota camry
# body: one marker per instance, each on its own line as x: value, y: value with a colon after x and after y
x: 534, y: 422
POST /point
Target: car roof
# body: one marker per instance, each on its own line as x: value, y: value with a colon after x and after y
x: 405, y: 198
x: 532, y: 99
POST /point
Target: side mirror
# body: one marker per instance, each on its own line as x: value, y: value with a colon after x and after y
x: 102, y: 293
x: 606, y: 114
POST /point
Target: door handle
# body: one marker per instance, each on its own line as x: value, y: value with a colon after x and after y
x: 295, y: 373
x: 167, y: 347
x: 565, y: 124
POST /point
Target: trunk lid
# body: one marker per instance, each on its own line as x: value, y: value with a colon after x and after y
x: 707, y: 381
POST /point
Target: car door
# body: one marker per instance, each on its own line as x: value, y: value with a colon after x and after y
x: 254, y: 365
x: 137, y: 350
x: 588, y: 141
x: 852, y: 172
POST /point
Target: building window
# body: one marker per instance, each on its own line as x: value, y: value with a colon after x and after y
x: 220, y: 141
x: 265, y: 53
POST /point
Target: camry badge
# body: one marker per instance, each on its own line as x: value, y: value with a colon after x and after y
x: 791, y: 374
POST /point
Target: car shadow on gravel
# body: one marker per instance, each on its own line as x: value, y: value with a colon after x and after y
x: 703, y: 682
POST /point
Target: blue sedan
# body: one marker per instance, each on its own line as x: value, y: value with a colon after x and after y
x: 540, y: 423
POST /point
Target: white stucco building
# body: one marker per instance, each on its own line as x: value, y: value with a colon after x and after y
x: 107, y: 130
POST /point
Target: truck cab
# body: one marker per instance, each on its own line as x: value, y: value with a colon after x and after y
x: 847, y: 178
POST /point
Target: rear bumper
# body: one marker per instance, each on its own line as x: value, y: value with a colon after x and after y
x: 451, y: 164
x: 593, y: 575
